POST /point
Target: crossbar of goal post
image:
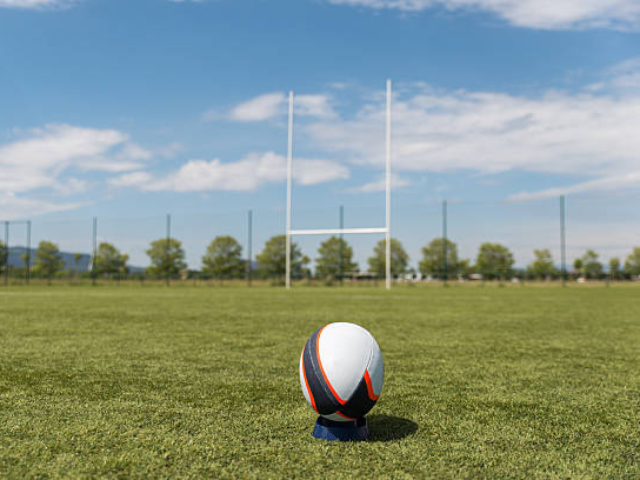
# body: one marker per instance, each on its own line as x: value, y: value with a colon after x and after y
x: 341, y: 231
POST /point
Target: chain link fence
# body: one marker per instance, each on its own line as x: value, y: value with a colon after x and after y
x: 600, y: 237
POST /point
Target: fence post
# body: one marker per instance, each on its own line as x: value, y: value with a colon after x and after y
x: 249, y: 246
x: 167, y: 256
x: 445, y: 247
x: 28, y: 252
x: 6, y: 249
x: 95, y: 251
x: 563, y: 240
x: 341, y: 270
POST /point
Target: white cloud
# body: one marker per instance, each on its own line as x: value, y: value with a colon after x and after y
x: 132, y: 179
x: 244, y: 175
x: 72, y: 186
x: 625, y: 76
x: 606, y: 184
x: 272, y: 105
x: 313, y: 172
x: 102, y: 164
x: 545, y: 14
x: 313, y: 106
x: 37, y: 160
x: 260, y: 108
x: 54, y: 144
x: 380, y: 185
x: 35, y: 4
x: 624, y: 80
x: 43, y: 158
x: 14, y: 207
x: 132, y: 151
x: 586, y: 134
x: 129, y: 157
x: 171, y: 150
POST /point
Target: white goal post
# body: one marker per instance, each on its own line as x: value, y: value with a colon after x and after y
x: 339, y: 231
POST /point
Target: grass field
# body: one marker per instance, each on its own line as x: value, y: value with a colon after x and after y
x: 148, y: 382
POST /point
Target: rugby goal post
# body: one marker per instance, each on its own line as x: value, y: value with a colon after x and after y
x: 340, y: 231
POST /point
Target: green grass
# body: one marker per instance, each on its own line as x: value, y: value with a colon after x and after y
x: 203, y: 382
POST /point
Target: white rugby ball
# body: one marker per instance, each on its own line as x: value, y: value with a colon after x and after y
x: 341, y: 371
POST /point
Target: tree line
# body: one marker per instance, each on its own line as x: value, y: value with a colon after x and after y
x: 495, y: 261
x: 223, y: 259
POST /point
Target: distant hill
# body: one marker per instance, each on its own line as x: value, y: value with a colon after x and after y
x: 16, y: 254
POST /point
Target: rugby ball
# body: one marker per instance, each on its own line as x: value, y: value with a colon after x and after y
x: 341, y: 371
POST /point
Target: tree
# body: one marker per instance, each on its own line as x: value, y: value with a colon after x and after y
x: 109, y: 261
x: 433, y: 257
x: 336, y: 258
x: 495, y: 261
x: 590, y: 264
x: 26, y: 259
x: 272, y: 259
x: 223, y: 258
x: 578, y: 266
x: 614, y: 268
x: 399, y: 258
x: 542, y: 267
x: 48, y: 260
x: 76, y: 261
x: 167, y: 257
x: 632, y: 265
x: 4, y: 256
x: 464, y: 267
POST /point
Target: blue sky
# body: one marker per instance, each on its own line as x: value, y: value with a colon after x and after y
x: 131, y: 110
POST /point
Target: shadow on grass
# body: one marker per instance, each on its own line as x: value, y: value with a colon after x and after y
x: 386, y: 428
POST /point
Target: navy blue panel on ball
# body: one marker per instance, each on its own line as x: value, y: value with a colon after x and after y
x: 326, y: 402
x: 360, y: 403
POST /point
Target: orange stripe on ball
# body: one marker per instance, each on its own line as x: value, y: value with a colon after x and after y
x: 370, y: 392
x: 344, y: 416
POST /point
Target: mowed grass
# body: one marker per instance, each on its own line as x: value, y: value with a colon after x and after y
x: 149, y: 382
